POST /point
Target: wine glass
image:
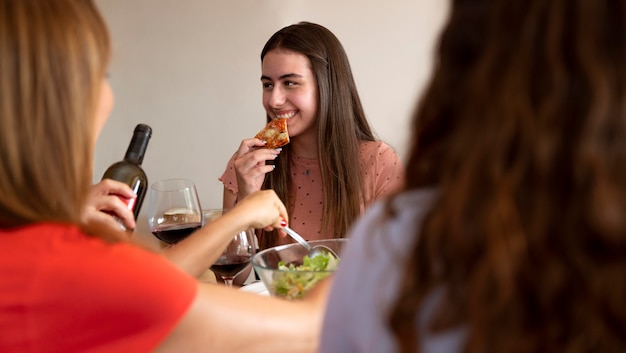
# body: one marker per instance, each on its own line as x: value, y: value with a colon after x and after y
x: 236, y: 257
x: 174, y: 210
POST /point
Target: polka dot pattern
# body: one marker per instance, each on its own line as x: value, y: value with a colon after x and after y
x: 381, y: 166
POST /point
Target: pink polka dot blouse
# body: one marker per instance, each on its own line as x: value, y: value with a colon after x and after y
x: 384, y: 174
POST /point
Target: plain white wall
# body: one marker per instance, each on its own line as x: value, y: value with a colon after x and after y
x: 191, y: 69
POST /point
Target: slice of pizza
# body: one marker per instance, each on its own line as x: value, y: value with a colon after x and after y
x: 274, y: 133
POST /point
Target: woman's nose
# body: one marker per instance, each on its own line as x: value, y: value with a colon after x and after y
x: 277, y: 97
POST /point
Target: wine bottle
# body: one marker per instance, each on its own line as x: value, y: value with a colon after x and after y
x: 129, y: 169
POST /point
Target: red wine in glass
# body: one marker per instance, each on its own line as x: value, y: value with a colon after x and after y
x: 235, y: 257
x: 173, y: 233
x: 174, y: 210
x: 230, y: 266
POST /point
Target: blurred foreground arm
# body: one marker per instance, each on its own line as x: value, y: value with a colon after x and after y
x: 225, y: 320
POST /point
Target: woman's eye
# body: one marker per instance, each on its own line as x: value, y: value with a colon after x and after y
x: 290, y: 83
x: 267, y: 85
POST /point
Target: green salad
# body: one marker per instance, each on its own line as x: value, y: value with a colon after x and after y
x: 294, y: 285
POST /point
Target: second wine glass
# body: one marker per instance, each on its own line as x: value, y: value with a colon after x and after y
x: 174, y: 210
x: 236, y: 257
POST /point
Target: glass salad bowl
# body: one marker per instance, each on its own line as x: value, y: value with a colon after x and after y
x: 287, y: 271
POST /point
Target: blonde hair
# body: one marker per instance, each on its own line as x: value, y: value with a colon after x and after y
x: 53, y: 60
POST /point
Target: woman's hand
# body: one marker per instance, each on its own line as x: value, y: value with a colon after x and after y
x: 250, y: 167
x: 262, y: 209
x: 104, y: 201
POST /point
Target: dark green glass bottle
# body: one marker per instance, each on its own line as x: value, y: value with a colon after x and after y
x: 129, y: 169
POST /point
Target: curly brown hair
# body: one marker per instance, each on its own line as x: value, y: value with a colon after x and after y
x: 523, y: 131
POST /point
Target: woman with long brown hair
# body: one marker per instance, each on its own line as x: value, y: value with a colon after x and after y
x: 70, y: 283
x: 334, y: 167
x: 510, y: 235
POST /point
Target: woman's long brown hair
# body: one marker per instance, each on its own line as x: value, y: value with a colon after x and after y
x: 53, y: 60
x: 523, y: 131
x: 341, y: 125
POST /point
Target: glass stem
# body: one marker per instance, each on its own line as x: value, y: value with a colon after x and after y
x: 228, y: 281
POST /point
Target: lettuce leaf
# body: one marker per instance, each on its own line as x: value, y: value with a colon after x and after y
x: 293, y: 285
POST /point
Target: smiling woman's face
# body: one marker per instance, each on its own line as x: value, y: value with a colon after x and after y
x: 290, y: 90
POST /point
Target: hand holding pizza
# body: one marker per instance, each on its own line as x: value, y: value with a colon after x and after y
x: 250, y: 166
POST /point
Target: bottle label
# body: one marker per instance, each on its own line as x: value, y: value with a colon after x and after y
x: 130, y: 203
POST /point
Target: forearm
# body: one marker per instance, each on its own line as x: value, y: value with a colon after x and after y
x: 196, y: 253
x: 222, y: 319
x: 261, y: 324
x: 229, y: 199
